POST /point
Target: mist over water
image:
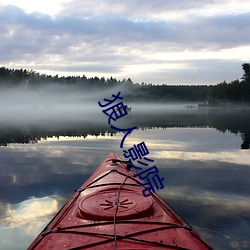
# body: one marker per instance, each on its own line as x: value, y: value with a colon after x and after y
x: 55, y: 102
x: 60, y: 102
x: 59, y: 107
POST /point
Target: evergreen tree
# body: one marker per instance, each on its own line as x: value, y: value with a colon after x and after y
x: 246, y: 69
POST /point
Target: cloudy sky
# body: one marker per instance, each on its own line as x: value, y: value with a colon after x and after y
x: 157, y: 41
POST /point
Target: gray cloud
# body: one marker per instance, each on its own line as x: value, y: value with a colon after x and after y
x: 85, y: 68
x: 224, y: 31
x: 132, y: 8
x: 220, y: 29
x: 109, y: 39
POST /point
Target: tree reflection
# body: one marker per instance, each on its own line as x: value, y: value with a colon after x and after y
x: 246, y: 141
x: 231, y: 121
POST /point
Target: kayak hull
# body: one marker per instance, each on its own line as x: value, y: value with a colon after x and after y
x: 109, y: 211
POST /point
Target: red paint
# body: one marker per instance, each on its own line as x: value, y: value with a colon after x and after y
x: 87, y: 220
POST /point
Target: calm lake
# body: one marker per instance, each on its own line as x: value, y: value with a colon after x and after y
x: 202, y: 154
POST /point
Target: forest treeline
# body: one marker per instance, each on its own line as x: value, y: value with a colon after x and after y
x: 236, y: 91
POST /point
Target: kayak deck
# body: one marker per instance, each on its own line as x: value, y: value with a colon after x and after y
x: 109, y: 211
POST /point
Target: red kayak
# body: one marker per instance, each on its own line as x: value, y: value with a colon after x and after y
x: 109, y: 211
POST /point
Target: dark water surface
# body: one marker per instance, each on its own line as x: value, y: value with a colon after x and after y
x: 198, y: 152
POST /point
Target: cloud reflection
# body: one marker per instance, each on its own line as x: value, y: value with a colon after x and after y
x: 29, y: 212
x: 222, y: 213
x: 228, y: 203
x: 222, y: 156
x: 22, y: 222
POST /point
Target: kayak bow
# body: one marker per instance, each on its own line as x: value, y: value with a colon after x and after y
x: 109, y: 211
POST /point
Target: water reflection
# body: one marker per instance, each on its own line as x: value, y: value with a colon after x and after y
x: 234, y: 121
x: 29, y: 210
x: 206, y: 175
x: 20, y: 222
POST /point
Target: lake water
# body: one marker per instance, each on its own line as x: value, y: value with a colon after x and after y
x: 203, y: 156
